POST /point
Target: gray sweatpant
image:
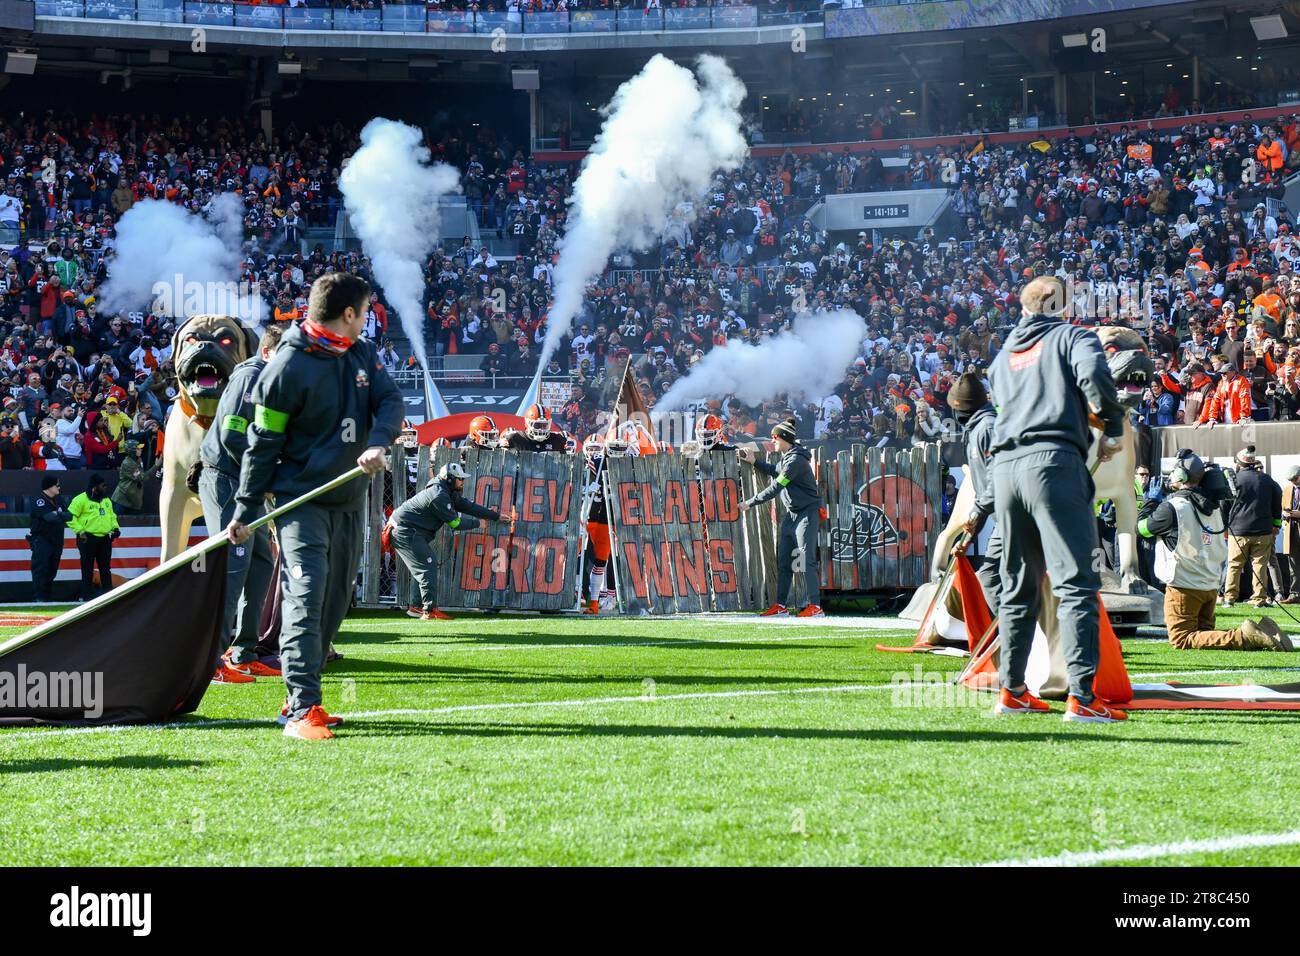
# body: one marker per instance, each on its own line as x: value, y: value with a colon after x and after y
x: 990, y: 572
x: 415, y: 547
x: 1043, y: 503
x: 796, y: 548
x: 248, y: 568
x: 320, y: 552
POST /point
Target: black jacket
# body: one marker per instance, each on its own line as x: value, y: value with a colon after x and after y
x: 50, y: 516
x: 1258, y: 506
x: 314, y: 414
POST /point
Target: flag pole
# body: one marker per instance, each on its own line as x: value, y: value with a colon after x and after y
x: 192, y: 553
x: 618, y: 399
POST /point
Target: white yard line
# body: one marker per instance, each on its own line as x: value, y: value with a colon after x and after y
x: 881, y: 623
x: 466, y: 708
x: 384, y: 650
x: 1157, y: 850
x: 515, y: 705
x: 1137, y: 678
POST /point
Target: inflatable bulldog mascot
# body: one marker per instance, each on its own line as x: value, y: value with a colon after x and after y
x: 205, y: 350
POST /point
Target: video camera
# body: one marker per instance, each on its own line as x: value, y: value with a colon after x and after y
x: 1215, y: 482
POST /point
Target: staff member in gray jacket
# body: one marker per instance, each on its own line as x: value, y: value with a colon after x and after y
x: 1046, y: 380
x: 969, y: 401
x: 323, y: 405
x: 413, y: 526
x: 249, y: 566
x: 797, y: 544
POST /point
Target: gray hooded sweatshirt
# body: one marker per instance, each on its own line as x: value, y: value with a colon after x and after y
x: 1045, y: 379
x: 795, y: 481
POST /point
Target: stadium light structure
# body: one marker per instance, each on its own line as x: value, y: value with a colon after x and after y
x: 1072, y: 40
x: 20, y: 63
x: 1269, y: 28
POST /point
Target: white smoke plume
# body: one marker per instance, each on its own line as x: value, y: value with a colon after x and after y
x: 391, y: 193
x: 664, y: 137
x: 181, y: 263
x: 805, y: 361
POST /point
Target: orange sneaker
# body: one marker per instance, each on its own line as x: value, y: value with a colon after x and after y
x: 330, y: 719
x: 415, y: 611
x: 433, y: 614
x: 773, y: 611
x: 812, y: 610
x: 593, y: 607
x: 1095, y: 713
x: 258, y: 669
x: 314, y: 725
x: 226, y: 674
x: 1026, y: 703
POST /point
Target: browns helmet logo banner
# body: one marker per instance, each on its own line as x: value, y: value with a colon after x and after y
x: 888, y: 512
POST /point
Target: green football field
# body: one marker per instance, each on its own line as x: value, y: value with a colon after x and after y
x: 721, y: 740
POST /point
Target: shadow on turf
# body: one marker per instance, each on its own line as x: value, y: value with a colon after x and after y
x: 57, y: 764
x: 389, y: 672
x: 385, y: 727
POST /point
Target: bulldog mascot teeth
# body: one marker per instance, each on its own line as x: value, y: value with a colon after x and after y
x: 205, y: 350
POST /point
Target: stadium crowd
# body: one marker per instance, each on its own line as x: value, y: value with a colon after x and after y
x: 1171, y: 226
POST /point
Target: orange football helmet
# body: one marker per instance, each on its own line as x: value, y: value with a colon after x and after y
x: 537, y: 424
x: 483, y: 432
x: 709, y: 430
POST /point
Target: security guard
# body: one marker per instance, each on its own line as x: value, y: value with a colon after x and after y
x: 413, y: 526
x: 969, y: 401
x: 248, y: 566
x: 49, y: 520
x: 1046, y: 380
x: 95, y: 525
x: 797, y: 486
x: 1189, y: 528
x: 323, y: 405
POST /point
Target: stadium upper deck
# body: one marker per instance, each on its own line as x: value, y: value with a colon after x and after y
x: 815, y: 74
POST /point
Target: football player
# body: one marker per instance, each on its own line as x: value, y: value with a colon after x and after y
x: 710, y: 433
x: 595, y: 448
x: 537, y: 434
x: 483, y: 433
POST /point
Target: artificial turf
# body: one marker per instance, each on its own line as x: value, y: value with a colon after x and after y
x: 567, y: 740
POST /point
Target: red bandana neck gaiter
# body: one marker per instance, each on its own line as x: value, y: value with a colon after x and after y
x: 325, y: 340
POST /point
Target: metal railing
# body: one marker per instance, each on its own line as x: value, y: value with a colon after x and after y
x: 402, y: 18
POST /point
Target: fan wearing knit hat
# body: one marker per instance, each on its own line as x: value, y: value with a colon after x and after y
x: 969, y: 401
x: 796, y: 483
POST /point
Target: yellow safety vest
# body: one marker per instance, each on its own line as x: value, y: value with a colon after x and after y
x: 92, y: 517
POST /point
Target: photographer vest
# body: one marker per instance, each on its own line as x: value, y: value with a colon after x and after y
x: 1199, y: 552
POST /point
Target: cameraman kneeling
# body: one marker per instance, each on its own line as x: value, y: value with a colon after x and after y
x: 1190, y: 529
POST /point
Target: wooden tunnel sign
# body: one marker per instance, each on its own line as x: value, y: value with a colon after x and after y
x: 680, y: 543
x: 675, y: 523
